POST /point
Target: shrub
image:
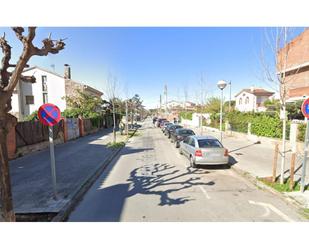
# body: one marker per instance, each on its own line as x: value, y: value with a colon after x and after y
x: 186, y: 115
x: 301, y: 132
x: 262, y: 124
x: 32, y: 116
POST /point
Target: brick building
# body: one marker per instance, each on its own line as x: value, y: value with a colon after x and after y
x: 296, y: 69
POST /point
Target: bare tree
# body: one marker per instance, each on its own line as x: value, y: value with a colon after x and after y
x: 8, y: 82
x: 277, y: 75
x: 112, y: 86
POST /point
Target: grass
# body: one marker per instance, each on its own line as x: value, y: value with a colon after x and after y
x: 131, y: 134
x: 305, y: 213
x: 115, y: 145
x: 285, y: 187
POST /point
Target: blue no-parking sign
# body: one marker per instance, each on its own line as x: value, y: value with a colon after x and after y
x: 49, y: 114
x: 305, y: 108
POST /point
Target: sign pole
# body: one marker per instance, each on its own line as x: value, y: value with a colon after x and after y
x: 305, y: 111
x: 52, y: 160
x: 303, y: 174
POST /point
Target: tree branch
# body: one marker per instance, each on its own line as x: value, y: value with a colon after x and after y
x: 6, y: 50
x: 49, y: 46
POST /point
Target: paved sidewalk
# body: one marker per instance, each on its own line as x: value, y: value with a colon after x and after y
x: 256, y: 159
x: 76, y: 161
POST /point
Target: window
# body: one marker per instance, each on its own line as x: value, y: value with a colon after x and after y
x: 186, y: 140
x: 209, y: 143
x: 192, y: 142
x: 240, y: 101
x: 45, y: 98
x: 44, y: 83
x: 247, y: 100
x: 29, y: 100
x: 185, y: 132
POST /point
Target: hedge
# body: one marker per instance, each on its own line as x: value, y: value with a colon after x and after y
x: 301, y: 132
x: 262, y: 124
x: 186, y: 115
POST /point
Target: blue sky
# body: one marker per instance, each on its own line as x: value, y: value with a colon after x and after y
x: 144, y: 59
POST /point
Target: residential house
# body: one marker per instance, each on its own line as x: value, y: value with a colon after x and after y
x: 248, y: 100
x: 49, y: 87
x: 176, y: 105
x: 293, y: 63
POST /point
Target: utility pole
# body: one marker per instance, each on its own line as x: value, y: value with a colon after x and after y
x: 160, y: 103
x: 230, y: 83
x: 165, y: 93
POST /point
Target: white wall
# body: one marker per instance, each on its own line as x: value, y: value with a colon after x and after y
x: 15, y: 105
x: 250, y: 106
x: 55, y: 89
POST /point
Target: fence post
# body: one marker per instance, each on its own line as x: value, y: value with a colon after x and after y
x: 249, y: 128
x: 81, y: 127
x: 65, y: 130
x: 275, y: 163
x: 292, y: 171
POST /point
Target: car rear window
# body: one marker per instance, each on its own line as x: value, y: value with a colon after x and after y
x: 209, y: 143
x: 186, y: 132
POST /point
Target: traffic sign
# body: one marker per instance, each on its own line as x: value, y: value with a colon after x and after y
x: 49, y: 114
x: 305, y: 108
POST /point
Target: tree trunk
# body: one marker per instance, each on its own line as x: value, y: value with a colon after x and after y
x: 283, y: 145
x: 114, y: 128
x: 6, y: 123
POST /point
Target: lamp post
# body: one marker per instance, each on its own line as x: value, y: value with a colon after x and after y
x: 221, y: 84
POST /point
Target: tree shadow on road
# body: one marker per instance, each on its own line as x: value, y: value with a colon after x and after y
x: 163, y: 181
x: 160, y: 180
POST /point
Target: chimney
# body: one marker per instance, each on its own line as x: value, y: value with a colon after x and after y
x: 67, y: 71
x: 252, y: 89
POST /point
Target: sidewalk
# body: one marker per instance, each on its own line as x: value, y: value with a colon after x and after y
x: 76, y: 162
x: 256, y: 159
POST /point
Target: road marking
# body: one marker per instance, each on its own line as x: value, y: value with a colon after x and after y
x: 274, y: 209
x: 205, y: 192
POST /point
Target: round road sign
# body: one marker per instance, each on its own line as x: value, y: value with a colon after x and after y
x: 305, y: 108
x: 49, y: 114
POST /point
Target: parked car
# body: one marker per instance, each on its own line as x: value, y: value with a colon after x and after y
x: 162, y: 123
x: 171, y: 128
x: 204, y: 150
x: 180, y: 134
x: 166, y: 125
x: 158, y: 122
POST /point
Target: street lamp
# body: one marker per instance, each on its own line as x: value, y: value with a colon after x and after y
x: 221, y: 84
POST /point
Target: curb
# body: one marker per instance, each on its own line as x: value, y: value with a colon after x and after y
x: 290, y: 201
x: 78, y: 194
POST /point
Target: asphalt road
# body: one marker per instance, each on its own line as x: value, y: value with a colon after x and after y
x: 151, y: 181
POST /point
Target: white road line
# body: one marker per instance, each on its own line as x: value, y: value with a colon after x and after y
x: 274, y: 209
x: 205, y: 192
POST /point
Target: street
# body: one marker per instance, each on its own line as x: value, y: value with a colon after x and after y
x: 150, y: 181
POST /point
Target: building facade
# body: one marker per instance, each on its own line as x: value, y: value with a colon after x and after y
x: 49, y: 87
x: 252, y: 100
x: 293, y: 63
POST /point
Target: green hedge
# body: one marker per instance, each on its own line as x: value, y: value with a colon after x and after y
x: 262, y: 124
x: 301, y: 132
x: 186, y: 115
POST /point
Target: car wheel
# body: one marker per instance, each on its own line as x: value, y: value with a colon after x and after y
x: 192, y: 163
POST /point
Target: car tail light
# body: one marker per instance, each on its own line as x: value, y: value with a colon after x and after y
x: 198, y: 153
x: 226, y: 152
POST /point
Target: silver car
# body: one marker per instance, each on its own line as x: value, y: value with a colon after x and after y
x: 204, y: 150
